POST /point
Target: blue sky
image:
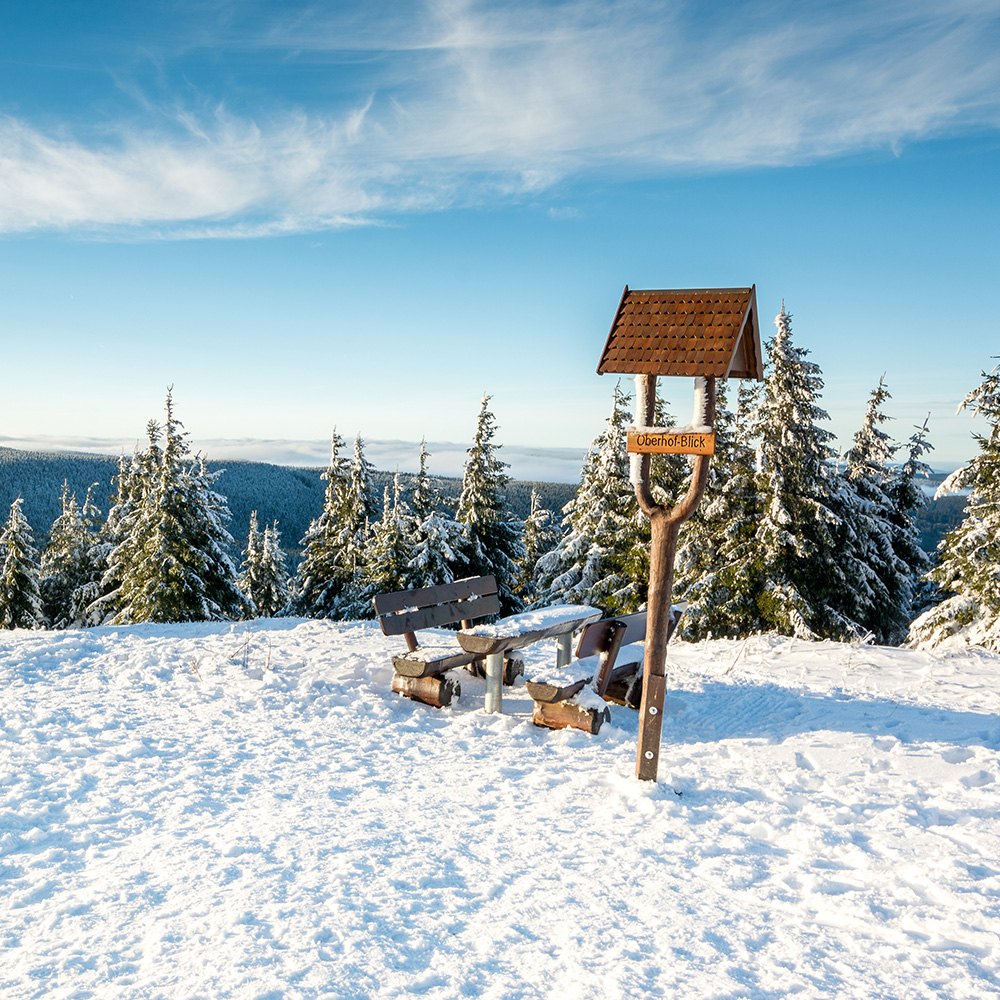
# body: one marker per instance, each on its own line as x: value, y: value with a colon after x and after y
x: 366, y: 215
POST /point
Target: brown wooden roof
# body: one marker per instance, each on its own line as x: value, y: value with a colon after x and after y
x: 685, y: 331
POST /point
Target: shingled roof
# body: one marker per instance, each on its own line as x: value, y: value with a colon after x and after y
x: 685, y: 331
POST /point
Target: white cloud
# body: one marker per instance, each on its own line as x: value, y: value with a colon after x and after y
x: 473, y: 102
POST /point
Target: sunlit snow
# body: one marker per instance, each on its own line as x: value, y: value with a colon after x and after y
x: 247, y: 811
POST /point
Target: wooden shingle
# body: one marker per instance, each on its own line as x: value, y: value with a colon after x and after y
x: 685, y: 331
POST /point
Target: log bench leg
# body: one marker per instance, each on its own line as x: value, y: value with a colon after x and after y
x: 494, y: 683
x: 566, y: 715
x: 437, y: 691
x: 626, y: 689
x: 513, y: 666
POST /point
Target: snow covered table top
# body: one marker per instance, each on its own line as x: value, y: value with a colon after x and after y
x: 524, y: 629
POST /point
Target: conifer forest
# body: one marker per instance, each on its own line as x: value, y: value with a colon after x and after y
x: 792, y: 537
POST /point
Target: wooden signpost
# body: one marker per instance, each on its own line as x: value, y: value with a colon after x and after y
x: 709, y: 334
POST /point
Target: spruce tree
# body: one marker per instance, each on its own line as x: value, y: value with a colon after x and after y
x: 361, y: 507
x: 174, y: 563
x: 58, y: 573
x: 328, y: 569
x: 438, y: 545
x: 968, y: 569
x: 93, y: 565
x: 907, y: 498
x: 330, y: 582
x: 718, y: 569
x: 540, y: 534
x: 357, y: 515
x: 263, y: 575
x: 20, y: 597
x: 68, y: 562
x: 390, y: 549
x: 426, y: 497
x: 881, y: 586
x: 132, y: 483
x: 799, y: 530
x: 492, y: 532
x: 273, y: 593
x: 600, y: 557
x: 252, y: 559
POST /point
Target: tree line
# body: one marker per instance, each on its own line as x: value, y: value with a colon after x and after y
x: 791, y: 536
x: 163, y: 553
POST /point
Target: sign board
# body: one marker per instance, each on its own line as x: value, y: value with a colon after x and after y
x: 664, y: 441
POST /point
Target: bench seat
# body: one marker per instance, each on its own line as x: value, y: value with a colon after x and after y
x: 560, y: 683
x: 429, y: 660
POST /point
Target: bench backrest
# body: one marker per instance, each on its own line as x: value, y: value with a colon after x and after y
x: 608, y: 636
x: 405, y: 611
x: 596, y: 637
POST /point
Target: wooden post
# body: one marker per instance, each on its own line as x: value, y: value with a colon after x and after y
x: 494, y: 683
x: 665, y: 523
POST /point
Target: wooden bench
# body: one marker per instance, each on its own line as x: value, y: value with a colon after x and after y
x: 418, y: 671
x: 499, y: 638
x: 562, y: 699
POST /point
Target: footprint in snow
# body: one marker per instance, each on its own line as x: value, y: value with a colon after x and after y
x: 977, y: 780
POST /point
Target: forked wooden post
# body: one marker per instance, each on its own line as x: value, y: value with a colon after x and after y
x: 665, y: 523
x: 709, y: 333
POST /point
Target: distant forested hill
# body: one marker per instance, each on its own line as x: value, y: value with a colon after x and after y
x: 293, y: 496
x: 938, y: 518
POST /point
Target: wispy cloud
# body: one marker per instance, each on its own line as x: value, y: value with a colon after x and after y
x: 469, y: 102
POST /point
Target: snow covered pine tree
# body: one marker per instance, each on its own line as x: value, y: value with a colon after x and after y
x: 883, y: 584
x: 907, y: 498
x: 439, y: 541
x: 540, y: 534
x: 390, y: 547
x: 71, y: 564
x: 263, y: 575
x: 173, y: 561
x: 719, y: 570
x: 803, y: 583
x: 593, y: 562
x: 20, y: 598
x: 968, y: 568
x: 328, y: 571
x: 492, y: 531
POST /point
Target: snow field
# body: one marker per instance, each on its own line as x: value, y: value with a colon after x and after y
x: 178, y: 821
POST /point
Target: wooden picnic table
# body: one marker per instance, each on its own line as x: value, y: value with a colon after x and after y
x: 517, y: 631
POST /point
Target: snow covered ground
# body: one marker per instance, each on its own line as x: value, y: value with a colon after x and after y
x: 177, y: 821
